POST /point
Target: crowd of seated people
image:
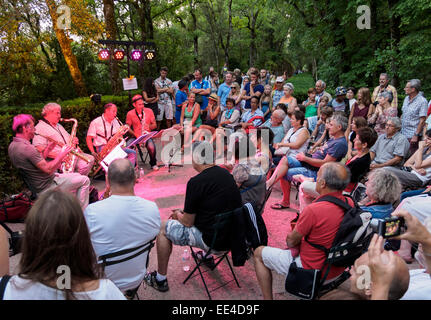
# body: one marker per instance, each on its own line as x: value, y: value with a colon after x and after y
x: 328, y: 145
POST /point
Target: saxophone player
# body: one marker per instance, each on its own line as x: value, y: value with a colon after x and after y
x: 142, y: 120
x: 50, y: 127
x: 102, y: 129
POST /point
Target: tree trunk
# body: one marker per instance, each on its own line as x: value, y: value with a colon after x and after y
x: 229, y: 34
x: 195, y: 36
x: 111, y: 33
x: 253, y: 50
x: 394, y: 25
x: 66, y: 49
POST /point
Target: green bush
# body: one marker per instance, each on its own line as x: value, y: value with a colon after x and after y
x: 302, y: 82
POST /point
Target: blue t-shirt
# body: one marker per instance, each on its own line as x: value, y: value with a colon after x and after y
x: 201, y: 85
x: 180, y: 97
x: 248, y: 115
x: 336, y: 148
x: 223, y: 93
x: 258, y: 88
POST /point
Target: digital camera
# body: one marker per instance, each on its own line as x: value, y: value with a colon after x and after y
x: 389, y: 227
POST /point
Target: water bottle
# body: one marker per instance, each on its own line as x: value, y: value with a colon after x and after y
x: 186, y: 260
x: 141, y: 174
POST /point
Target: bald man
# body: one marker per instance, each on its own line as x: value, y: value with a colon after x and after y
x: 319, y: 222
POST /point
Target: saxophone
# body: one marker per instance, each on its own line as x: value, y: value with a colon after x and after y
x: 69, y: 162
x: 115, y: 140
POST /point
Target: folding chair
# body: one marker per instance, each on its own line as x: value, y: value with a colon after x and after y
x: 223, y: 221
x: 134, y: 252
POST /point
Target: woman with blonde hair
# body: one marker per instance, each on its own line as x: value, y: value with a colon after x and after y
x: 58, y: 261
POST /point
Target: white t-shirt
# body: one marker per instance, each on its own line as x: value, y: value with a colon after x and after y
x: 419, y: 286
x: 23, y: 289
x: 123, y: 222
x: 101, y: 130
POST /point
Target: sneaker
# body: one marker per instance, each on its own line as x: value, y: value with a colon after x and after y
x: 155, y: 168
x: 151, y: 280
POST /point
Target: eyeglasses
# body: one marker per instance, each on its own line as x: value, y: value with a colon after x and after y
x: 389, y: 125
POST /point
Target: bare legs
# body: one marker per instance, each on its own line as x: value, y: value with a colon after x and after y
x: 164, y: 249
x: 279, y: 172
x: 263, y: 274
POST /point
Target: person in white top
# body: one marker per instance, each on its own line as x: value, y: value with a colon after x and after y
x: 123, y: 221
x: 58, y: 261
x: 49, y: 126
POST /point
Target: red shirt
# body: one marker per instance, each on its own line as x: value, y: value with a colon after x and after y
x: 133, y: 119
x: 320, y: 222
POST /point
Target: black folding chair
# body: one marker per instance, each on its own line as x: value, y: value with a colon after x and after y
x: 134, y: 252
x: 223, y: 221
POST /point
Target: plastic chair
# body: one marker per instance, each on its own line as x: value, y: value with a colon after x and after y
x: 106, y: 260
x: 223, y: 221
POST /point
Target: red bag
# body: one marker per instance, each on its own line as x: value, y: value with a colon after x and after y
x: 15, y: 208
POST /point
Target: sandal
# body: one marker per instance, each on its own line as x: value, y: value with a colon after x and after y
x: 209, y: 261
x: 279, y: 206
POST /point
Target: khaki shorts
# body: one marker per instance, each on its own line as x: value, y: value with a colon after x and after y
x: 165, y: 109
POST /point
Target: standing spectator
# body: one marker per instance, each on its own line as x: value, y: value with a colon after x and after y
x: 278, y: 92
x: 363, y: 107
x: 151, y: 97
x: 201, y: 89
x: 320, y: 91
x: 288, y: 99
x: 391, y: 148
x: 264, y: 77
x: 208, y: 77
x: 384, y: 111
x: 265, y: 103
x: 252, y: 89
x: 351, y: 93
x: 318, y: 224
x: 236, y: 76
x: 385, y: 86
x: 180, y: 98
x: 311, y: 109
x: 214, y: 82
x: 54, y: 240
x: 414, y: 110
x: 224, y: 90
x: 166, y: 93
x: 120, y: 222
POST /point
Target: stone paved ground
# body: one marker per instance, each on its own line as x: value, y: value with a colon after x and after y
x: 167, y: 189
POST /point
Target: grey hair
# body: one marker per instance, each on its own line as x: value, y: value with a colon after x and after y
x: 334, y: 176
x: 340, y: 120
x: 395, y: 121
x: 50, y: 107
x: 203, y: 152
x: 415, y: 83
x: 385, y: 75
x: 322, y: 82
x: 289, y: 86
x: 383, y: 186
x: 387, y: 94
x: 121, y: 173
x: 280, y: 114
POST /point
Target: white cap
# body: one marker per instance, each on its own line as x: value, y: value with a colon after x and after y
x: 279, y: 79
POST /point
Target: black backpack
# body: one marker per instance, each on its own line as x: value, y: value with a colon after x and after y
x: 352, y: 238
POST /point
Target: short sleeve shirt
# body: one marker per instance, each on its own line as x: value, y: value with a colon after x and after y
x: 201, y: 85
x: 24, y: 156
x: 166, y: 83
x: 101, y: 130
x: 58, y: 133
x: 209, y: 193
x: 336, y: 148
x: 249, y: 114
x: 135, y: 120
x: 257, y: 88
x: 223, y: 93
x: 413, y: 110
x: 276, y: 96
x: 180, y: 98
x: 387, y: 148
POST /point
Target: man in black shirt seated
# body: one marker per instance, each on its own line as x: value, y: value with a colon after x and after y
x: 209, y: 193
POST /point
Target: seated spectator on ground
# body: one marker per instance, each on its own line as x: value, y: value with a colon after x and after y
x: 319, y: 223
x: 383, y: 190
x: 340, y: 103
x: 190, y: 119
x: 40, y: 174
x: 414, y: 112
x: 210, y: 124
x: 320, y: 129
x: 420, y: 280
x: 357, y: 123
x: 389, y: 273
x: 209, y: 193
x: 308, y: 165
x: 275, y: 123
x: 391, y: 148
x: 4, y: 252
x: 359, y: 166
x: 56, y: 235
x: 123, y: 221
x: 296, y: 139
x: 384, y: 111
x: 249, y: 175
x: 311, y: 110
x: 416, y: 172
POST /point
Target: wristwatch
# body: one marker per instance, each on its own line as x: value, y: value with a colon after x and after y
x: 419, y: 135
